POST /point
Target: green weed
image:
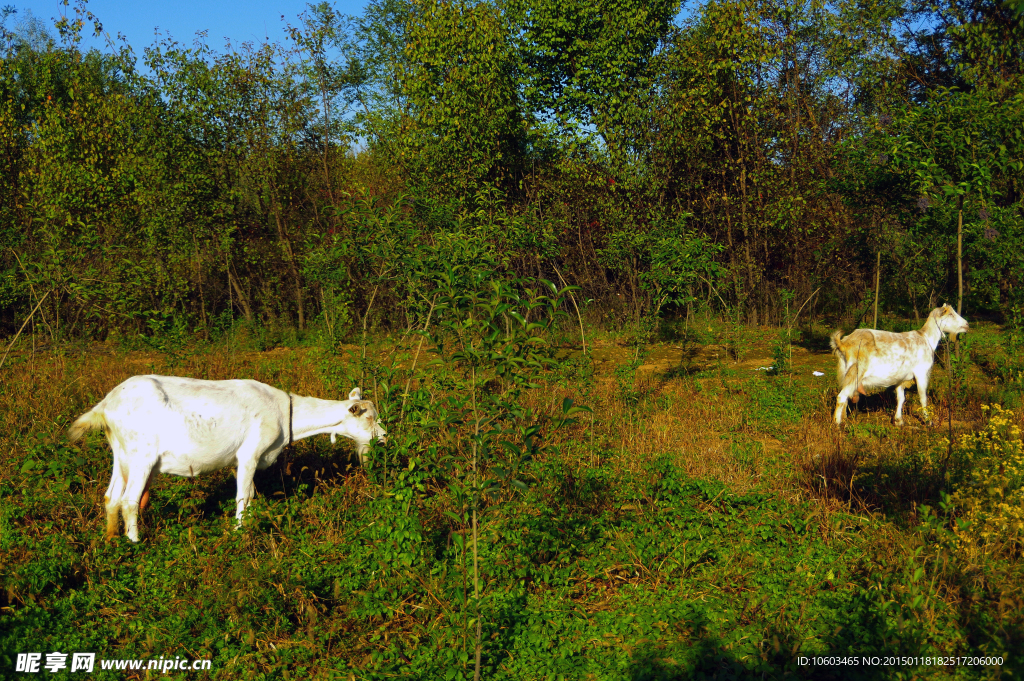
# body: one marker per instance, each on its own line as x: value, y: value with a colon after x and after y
x: 606, y: 563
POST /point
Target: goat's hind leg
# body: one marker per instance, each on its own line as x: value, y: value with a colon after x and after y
x: 112, y: 501
x: 145, y: 492
x: 847, y: 389
x: 900, y: 399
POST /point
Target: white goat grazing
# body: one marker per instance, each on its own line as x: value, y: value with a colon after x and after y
x: 871, y: 359
x: 186, y: 426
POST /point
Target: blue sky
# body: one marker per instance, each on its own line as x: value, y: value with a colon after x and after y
x: 238, y: 21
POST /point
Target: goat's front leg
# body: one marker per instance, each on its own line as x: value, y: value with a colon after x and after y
x: 246, y: 470
x: 922, y: 393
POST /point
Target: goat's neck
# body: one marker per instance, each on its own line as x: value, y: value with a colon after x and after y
x: 931, y: 331
x: 312, y: 416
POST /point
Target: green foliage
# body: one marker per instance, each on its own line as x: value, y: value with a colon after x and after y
x: 989, y: 505
x: 579, y: 589
x: 984, y: 46
x: 667, y: 259
x: 776, y: 405
x: 959, y: 143
x: 961, y: 358
x: 579, y: 555
x: 781, y: 355
x: 464, y: 126
x: 782, y: 348
x: 587, y: 63
x: 51, y: 466
x: 333, y: 71
x: 426, y: 168
x: 1008, y: 366
x: 956, y: 151
x: 737, y: 336
x: 642, y: 156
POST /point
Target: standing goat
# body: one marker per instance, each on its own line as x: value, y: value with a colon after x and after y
x: 187, y: 426
x: 871, y: 359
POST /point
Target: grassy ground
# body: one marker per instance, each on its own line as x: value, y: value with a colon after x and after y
x: 706, y: 521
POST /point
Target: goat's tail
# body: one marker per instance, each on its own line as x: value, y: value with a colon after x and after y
x: 835, y: 341
x: 849, y: 363
x: 90, y: 420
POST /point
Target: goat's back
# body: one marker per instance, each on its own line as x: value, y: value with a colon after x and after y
x: 192, y: 425
x: 882, y: 358
x: 223, y: 404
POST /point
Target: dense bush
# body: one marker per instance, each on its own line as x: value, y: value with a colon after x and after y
x: 990, y: 505
x: 659, y: 163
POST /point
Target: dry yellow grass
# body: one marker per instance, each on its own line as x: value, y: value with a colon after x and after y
x: 698, y: 420
x: 710, y: 422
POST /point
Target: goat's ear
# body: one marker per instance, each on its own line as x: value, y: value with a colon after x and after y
x: 354, y: 409
x: 356, y: 394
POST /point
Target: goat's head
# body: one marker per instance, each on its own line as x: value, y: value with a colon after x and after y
x: 360, y: 422
x: 949, y: 321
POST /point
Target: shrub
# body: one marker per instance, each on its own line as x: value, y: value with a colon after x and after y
x: 991, y: 503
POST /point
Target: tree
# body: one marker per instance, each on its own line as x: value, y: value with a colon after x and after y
x: 584, y: 62
x: 959, y: 146
x: 465, y: 126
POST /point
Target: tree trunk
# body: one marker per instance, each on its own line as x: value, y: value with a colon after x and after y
x: 960, y: 257
x: 741, y: 148
x: 293, y: 268
x: 732, y: 249
x: 913, y: 299
x: 242, y: 299
x: 878, y: 278
x: 746, y: 238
